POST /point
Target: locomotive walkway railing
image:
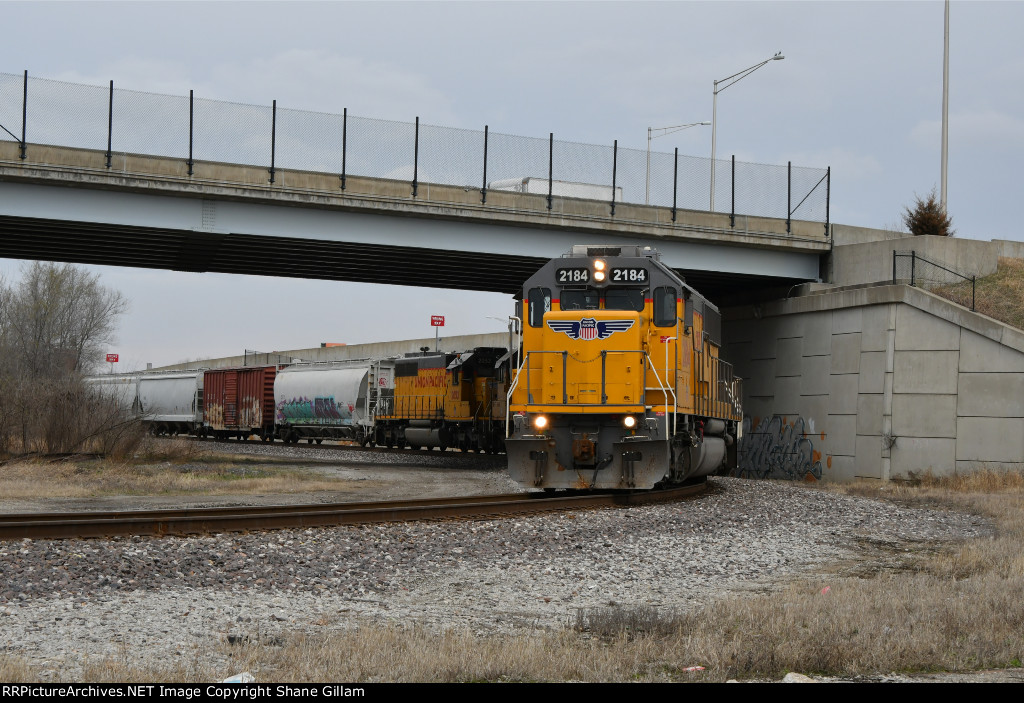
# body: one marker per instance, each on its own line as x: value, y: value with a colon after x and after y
x: 203, y: 133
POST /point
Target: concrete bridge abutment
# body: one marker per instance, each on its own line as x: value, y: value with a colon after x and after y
x: 875, y: 382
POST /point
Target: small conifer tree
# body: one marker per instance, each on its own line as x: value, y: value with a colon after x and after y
x: 928, y: 217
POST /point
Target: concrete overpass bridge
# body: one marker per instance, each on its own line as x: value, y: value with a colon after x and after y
x: 66, y: 204
x: 857, y: 377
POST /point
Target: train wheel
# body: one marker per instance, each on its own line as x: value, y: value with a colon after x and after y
x: 319, y: 440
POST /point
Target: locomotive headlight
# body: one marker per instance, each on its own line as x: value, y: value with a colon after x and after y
x: 598, y: 265
x: 629, y: 422
x: 598, y: 275
x: 540, y: 422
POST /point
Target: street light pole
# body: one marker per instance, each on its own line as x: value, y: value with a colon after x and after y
x: 730, y: 80
x: 945, y: 110
x: 665, y: 131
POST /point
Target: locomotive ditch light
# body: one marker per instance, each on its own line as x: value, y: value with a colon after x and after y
x: 540, y: 422
x: 629, y: 421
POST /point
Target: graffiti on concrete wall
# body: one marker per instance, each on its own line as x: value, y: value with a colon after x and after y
x: 774, y: 447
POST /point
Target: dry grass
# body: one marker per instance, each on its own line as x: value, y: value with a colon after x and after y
x: 160, y: 467
x: 955, y: 608
x: 999, y: 295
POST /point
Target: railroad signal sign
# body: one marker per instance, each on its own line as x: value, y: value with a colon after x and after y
x: 437, y: 320
x: 112, y: 358
x: 665, y: 338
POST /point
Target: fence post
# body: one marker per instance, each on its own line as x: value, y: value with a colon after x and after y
x: 191, y: 123
x: 483, y: 185
x: 273, y: 139
x: 344, y: 144
x: 675, y: 183
x: 551, y: 165
x: 732, y: 212
x: 416, y: 158
x: 913, y: 265
x: 24, y: 113
x: 973, y: 281
x: 894, y: 267
x: 789, y: 195
x: 110, y: 122
x: 615, y: 165
x: 828, y: 196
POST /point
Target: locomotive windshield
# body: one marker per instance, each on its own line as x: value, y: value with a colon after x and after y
x: 624, y: 299
x: 614, y: 299
x: 588, y: 299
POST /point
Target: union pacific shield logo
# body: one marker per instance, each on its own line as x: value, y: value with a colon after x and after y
x: 588, y: 328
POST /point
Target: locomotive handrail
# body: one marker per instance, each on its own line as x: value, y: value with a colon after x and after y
x: 666, y: 390
x: 508, y: 397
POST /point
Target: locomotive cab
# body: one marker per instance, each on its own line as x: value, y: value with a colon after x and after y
x: 619, y: 384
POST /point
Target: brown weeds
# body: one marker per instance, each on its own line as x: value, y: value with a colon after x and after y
x: 954, y: 609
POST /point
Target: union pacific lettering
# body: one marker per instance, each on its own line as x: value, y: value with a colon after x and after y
x: 432, y: 378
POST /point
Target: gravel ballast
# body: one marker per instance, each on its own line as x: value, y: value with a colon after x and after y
x: 63, y: 600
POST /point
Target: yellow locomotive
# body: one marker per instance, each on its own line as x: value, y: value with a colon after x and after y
x: 618, y: 384
x: 444, y: 400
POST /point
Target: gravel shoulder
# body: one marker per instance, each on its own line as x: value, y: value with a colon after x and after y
x: 64, y: 600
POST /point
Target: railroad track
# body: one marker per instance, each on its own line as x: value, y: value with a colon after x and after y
x: 340, y: 447
x: 254, y: 518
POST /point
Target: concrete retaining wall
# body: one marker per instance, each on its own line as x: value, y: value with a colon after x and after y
x: 878, y: 383
x: 871, y: 262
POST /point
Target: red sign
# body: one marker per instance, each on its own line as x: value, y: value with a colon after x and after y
x: 437, y: 320
x: 665, y: 338
x: 112, y: 358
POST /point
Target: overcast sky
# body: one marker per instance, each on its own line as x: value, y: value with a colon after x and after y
x: 860, y: 90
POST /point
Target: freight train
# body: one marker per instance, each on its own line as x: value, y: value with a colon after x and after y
x: 424, y: 400
x: 618, y: 383
x: 615, y: 383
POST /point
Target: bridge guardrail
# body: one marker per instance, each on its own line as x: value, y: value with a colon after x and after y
x: 64, y: 114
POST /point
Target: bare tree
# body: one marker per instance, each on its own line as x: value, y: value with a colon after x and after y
x: 54, y: 323
x: 58, y: 317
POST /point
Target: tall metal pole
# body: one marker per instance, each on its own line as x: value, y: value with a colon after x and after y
x: 551, y: 166
x: 344, y: 144
x: 273, y: 139
x: 416, y: 159
x: 714, y: 134
x: 24, y: 113
x: 191, y: 124
x: 110, y: 123
x: 647, y: 197
x: 665, y: 131
x: 729, y: 80
x: 615, y: 165
x: 483, y: 186
x: 945, y: 110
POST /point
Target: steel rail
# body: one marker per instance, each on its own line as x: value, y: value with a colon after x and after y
x: 306, y: 446
x: 270, y: 517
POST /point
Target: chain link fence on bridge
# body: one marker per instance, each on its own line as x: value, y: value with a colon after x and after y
x: 115, y: 120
